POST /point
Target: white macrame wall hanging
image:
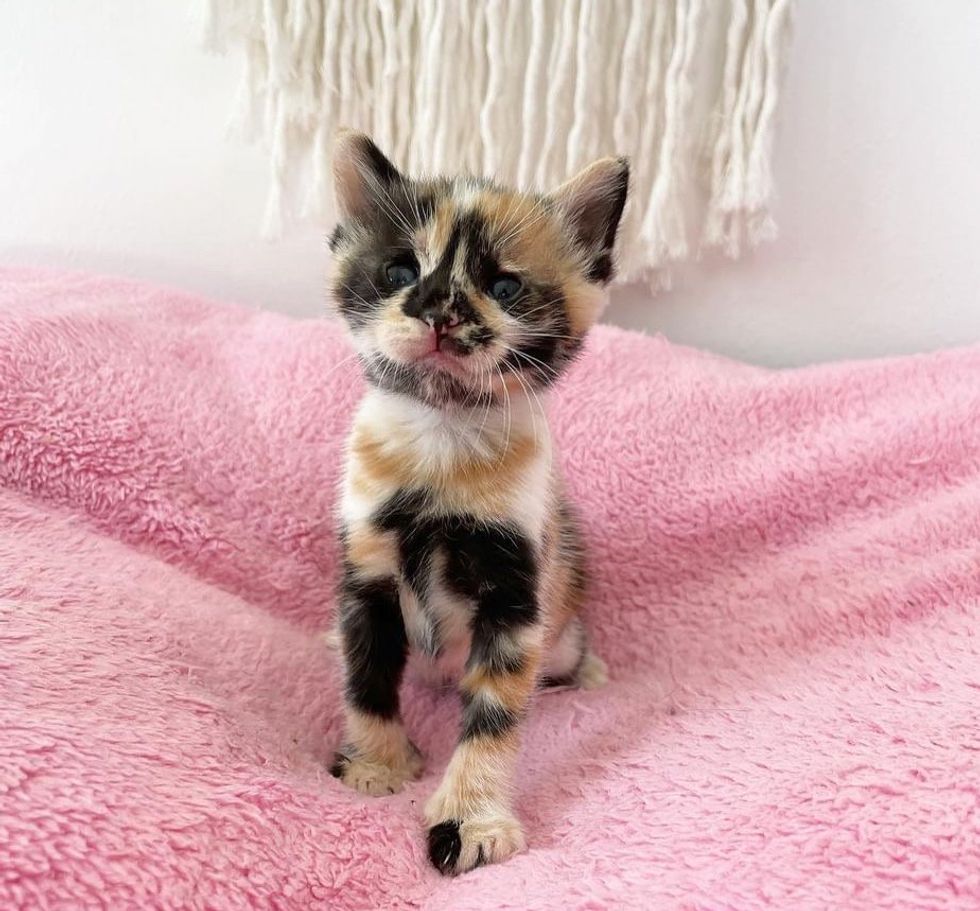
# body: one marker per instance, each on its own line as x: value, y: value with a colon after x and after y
x: 527, y: 91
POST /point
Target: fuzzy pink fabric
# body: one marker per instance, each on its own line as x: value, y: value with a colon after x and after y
x: 787, y: 579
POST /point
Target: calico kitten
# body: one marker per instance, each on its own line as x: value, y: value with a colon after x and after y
x: 465, y: 301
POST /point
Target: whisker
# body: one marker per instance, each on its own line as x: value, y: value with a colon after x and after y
x: 338, y: 365
x: 526, y: 222
x: 540, y: 365
x: 530, y: 333
x: 503, y: 382
x: 358, y: 296
x: 527, y: 395
x: 391, y: 208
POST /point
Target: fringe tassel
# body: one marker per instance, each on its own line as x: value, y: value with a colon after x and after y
x: 527, y: 91
x: 741, y: 182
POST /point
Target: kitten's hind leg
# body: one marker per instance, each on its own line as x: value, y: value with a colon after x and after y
x: 571, y: 662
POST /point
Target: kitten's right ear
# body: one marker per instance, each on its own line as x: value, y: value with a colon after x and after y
x: 362, y: 175
x: 591, y: 204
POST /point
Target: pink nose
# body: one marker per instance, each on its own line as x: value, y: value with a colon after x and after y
x: 440, y: 322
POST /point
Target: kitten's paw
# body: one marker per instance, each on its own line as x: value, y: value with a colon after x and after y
x: 376, y: 778
x: 592, y: 672
x: 456, y: 846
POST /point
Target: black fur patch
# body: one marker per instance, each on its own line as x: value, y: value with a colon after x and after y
x: 497, y: 655
x: 494, y: 565
x: 356, y: 292
x: 482, y: 718
x: 548, y: 682
x: 491, y: 564
x: 536, y: 358
x: 404, y: 514
x: 401, y: 510
x: 551, y: 346
x: 482, y: 336
x: 383, y: 169
x: 337, y: 238
x: 361, y: 285
x: 481, y: 263
x: 601, y: 269
x: 375, y: 643
x: 445, y: 845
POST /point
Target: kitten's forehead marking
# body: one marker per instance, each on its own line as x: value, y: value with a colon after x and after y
x: 444, y: 242
x: 468, y: 224
x: 434, y: 234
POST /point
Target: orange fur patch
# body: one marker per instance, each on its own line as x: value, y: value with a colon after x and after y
x: 432, y: 239
x: 511, y: 691
x: 376, y: 739
x: 526, y: 233
x: 482, y: 486
x: 536, y: 243
x: 583, y: 303
x: 371, y: 552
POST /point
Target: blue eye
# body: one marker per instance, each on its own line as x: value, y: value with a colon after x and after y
x: 504, y: 288
x: 401, y: 274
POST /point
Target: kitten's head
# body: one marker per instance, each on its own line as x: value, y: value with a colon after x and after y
x: 461, y: 291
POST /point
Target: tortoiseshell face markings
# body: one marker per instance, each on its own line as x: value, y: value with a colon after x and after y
x: 465, y: 301
x: 452, y: 286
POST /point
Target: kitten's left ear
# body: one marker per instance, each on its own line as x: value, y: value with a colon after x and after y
x: 591, y: 204
x: 362, y: 175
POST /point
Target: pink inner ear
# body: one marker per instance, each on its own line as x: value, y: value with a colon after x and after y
x: 360, y: 171
x: 348, y: 185
x: 592, y: 202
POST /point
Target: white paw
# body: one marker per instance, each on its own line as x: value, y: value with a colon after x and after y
x: 592, y: 673
x: 375, y: 778
x: 456, y: 846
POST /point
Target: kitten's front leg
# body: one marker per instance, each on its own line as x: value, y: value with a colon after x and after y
x: 376, y: 757
x: 470, y: 816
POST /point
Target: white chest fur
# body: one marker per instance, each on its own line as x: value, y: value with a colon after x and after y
x: 464, y: 455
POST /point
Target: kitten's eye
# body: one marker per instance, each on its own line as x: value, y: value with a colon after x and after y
x: 504, y: 287
x: 401, y: 274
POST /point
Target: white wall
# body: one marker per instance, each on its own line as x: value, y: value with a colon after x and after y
x: 113, y: 157
x: 878, y: 170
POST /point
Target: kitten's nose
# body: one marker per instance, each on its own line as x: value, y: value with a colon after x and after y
x: 440, y: 320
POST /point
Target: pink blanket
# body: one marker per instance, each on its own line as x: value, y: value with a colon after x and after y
x: 787, y: 581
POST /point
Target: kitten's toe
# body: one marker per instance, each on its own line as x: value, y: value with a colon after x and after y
x: 445, y: 845
x: 592, y: 672
x: 376, y: 778
x: 456, y: 846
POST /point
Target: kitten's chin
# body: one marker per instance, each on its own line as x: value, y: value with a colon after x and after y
x: 437, y: 378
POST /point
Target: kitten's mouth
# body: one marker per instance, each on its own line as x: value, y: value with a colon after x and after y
x: 440, y: 356
x: 439, y: 351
